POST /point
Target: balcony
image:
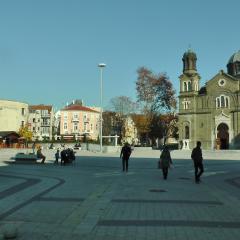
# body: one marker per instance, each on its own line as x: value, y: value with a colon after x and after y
x: 74, y: 119
x: 46, y: 115
x: 45, y: 124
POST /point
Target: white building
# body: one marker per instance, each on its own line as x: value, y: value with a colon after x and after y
x: 13, y: 115
x: 41, y: 120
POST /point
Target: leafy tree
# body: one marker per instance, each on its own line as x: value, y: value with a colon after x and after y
x: 112, y: 124
x: 155, y: 91
x: 25, y: 133
x: 156, y: 94
x: 142, y: 125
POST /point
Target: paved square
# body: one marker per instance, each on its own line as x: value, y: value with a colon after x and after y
x: 94, y: 199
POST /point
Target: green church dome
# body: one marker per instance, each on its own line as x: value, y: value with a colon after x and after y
x: 235, y: 57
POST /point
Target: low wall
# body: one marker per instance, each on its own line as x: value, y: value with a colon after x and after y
x: 96, y: 148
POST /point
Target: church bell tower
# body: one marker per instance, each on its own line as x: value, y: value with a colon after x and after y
x: 189, y: 80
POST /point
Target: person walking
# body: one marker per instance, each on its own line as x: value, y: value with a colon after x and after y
x: 198, y: 161
x: 165, y: 161
x: 125, y: 154
x: 57, y: 156
x: 33, y: 147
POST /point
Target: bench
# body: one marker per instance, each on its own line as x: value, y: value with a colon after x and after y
x: 25, y: 158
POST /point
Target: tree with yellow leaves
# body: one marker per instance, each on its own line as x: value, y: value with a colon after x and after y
x: 25, y: 133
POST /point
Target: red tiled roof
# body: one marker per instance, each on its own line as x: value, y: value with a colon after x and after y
x: 77, y: 107
x: 41, y: 107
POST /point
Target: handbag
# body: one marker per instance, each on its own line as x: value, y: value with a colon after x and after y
x: 159, y: 164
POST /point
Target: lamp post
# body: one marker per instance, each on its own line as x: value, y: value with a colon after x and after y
x: 101, y: 66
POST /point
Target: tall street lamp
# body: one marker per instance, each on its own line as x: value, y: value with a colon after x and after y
x: 101, y: 66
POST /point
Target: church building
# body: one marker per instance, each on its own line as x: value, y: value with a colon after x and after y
x: 210, y: 114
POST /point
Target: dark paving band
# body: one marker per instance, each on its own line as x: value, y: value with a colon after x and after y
x: 19, y: 187
x: 58, y: 199
x: 34, y: 198
x: 166, y: 201
x: 167, y: 223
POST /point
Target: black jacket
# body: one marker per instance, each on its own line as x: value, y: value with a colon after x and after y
x: 126, y: 152
x: 197, y: 154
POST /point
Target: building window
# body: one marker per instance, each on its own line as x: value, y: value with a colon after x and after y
x: 187, y: 86
x: 186, y: 104
x: 184, y: 86
x: 22, y: 124
x: 223, y: 102
x: 34, y: 120
x: 75, y: 116
x: 218, y: 102
x: 45, y: 122
x: 65, y: 126
x: 75, y: 127
x: 238, y: 68
x: 186, y: 132
x: 23, y: 111
x: 196, y: 87
x: 45, y: 130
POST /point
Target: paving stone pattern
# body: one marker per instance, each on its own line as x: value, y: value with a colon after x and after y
x: 95, y: 200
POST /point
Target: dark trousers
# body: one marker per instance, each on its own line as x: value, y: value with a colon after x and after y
x: 125, y: 164
x: 198, y: 170
x: 56, y: 160
x: 165, y: 172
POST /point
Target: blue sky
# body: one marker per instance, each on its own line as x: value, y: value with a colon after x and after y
x: 50, y: 49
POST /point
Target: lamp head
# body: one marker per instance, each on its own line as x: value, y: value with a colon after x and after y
x: 102, y: 65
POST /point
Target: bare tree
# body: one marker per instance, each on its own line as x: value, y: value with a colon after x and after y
x: 123, y: 105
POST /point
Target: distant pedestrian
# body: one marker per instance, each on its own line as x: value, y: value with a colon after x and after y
x: 33, y: 147
x: 165, y: 161
x: 125, y: 154
x: 198, y: 161
x: 40, y: 155
x: 57, y: 156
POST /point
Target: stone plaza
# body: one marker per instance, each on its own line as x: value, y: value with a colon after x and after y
x: 94, y: 199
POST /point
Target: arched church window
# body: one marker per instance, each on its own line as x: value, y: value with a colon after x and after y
x: 218, y: 102
x: 196, y: 87
x: 184, y: 86
x: 186, y: 132
x: 189, y: 86
x: 238, y: 68
x: 222, y: 101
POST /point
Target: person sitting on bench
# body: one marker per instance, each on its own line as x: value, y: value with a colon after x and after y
x: 40, y: 155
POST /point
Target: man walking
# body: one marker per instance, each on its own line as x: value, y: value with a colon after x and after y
x: 198, y: 161
x: 125, y: 154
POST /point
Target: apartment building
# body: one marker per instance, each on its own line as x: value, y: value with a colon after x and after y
x: 13, y: 115
x: 77, y: 121
x: 40, y: 121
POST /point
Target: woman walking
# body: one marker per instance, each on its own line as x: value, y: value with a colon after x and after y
x: 165, y: 161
